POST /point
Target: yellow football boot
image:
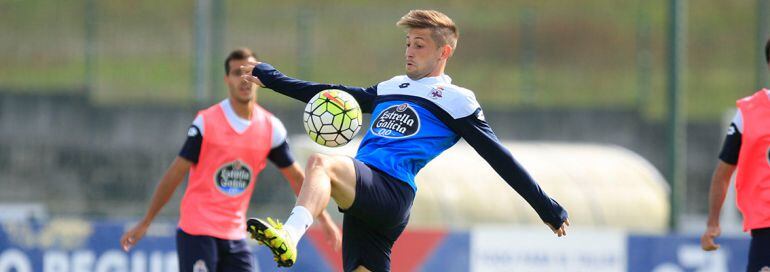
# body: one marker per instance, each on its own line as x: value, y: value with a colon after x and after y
x: 272, y: 234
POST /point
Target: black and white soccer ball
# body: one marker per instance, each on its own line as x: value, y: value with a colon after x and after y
x: 332, y: 118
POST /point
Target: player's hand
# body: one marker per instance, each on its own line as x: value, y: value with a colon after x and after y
x: 132, y: 236
x: 707, y: 240
x: 246, y: 73
x: 562, y: 230
x: 331, y: 232
x: 333, y: 236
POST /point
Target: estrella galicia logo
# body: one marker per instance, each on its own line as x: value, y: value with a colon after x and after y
x: 404, y: 85
x: 397, y: 121
x: 233, y: 178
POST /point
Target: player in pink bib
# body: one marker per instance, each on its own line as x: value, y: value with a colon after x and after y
x: 747, y: 149
x: 227, y: 146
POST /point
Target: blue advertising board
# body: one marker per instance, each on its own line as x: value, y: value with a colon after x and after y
x: 672, y: 253
x: 85, y: 246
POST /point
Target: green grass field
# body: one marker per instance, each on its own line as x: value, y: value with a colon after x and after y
x: 585, y: 53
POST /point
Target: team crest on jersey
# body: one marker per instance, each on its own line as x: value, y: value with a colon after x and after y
x: 437, y: 92
x: 397, y: 121
x: 192, y: 132
x: 233, y: 178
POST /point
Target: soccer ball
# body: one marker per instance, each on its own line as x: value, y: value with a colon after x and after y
x: 332, y: 118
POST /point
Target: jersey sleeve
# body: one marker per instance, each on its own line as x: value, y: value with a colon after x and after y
x: 281, y: 155
x: 480, y: 136
x: 731, y: 147
x: 191, y: 149
x: 279, y: 132
x: 304, y: 90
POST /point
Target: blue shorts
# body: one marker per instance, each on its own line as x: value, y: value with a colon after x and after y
x: 759, y: 250
x: 378, y: 215
x: 195, y: 252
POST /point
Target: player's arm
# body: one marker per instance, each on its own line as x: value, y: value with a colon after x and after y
x: 720, y: 181
x: 480, y: 136
x: 166, y: 187
x: 168, y: 184
x: 281, y: 157
x: 267, y: 76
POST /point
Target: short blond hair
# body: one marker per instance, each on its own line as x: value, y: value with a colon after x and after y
x: 443, y: 29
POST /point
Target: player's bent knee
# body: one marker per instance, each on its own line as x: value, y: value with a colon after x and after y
x: 334, y: 166
x: 321, y: 161
x: 316, y: 160
x: 317, y: 157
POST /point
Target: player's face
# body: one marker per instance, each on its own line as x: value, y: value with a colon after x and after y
x: 423, y: 56
x: 239, y: 89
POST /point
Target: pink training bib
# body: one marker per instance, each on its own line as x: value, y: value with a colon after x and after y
x: 221, y: 183
x: 753, y: 178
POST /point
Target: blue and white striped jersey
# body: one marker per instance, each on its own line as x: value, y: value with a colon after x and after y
x: 409, y: 125
x: 413, y: 121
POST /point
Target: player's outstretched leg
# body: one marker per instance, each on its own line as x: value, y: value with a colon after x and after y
x: 325, y: 177
x: 272, y: 234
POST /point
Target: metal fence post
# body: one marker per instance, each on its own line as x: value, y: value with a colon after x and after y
x: 527, y: 52
x: 89, y: 48
x: 643, y: 55
x: 762, y: 25
x: 304, y: 42
x: 202, y: 48
x: 676, y: 121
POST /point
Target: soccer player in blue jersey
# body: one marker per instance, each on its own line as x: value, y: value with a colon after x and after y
x: 415, y: 117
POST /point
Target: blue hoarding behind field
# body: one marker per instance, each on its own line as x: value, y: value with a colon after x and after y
x: 673, y: 253
x: 77, y: 245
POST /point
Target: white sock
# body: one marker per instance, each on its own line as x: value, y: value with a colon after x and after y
x: 299, y: 221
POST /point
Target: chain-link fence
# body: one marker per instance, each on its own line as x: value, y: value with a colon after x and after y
x: 542, y: 56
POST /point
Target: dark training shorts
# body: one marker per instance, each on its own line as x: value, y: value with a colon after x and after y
x: 759, y: 250
x: 378, y: 215
x: 196, y: 252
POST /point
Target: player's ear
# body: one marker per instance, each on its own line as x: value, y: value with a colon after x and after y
x: 446, y: 51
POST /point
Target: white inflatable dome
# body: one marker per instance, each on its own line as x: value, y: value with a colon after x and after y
x: 599, y: 185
